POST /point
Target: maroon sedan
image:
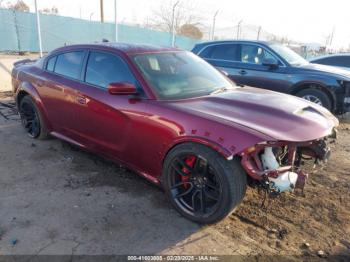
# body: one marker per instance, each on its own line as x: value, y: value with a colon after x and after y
x: 174, y: 119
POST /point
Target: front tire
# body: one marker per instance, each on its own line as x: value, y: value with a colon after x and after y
x: 31, y: 118
x: 202, y: 185
x: 316, y: 96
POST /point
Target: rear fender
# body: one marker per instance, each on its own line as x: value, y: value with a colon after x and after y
x: 26, y: 88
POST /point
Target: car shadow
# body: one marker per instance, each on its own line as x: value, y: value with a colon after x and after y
x: 140, y: 217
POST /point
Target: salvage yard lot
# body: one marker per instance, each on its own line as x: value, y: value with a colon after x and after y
x: 56, y: 199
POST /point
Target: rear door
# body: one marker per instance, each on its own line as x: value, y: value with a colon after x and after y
x: 62, y: 73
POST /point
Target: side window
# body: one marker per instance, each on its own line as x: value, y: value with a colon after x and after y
x: 51, y: 64
x: 328, y: 61
x: 221, y: 52
x: 103, y: 69
x: 206, y: 52
x: 322, y: 61
x: 254, y: 54
x: 343, y: 61
x: 69, y: 64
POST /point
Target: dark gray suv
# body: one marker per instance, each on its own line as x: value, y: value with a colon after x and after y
x: 276, y: 67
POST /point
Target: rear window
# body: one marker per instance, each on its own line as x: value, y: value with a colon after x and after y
x: 69, y: 64
x: 51, y: 64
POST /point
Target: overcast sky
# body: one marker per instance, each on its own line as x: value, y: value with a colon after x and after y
x: 301, y: 20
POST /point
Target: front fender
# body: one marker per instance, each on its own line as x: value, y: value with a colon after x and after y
x: 228, y: 142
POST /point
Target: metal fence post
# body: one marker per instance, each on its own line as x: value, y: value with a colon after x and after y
x: 173, y: 25
x: 213, y: 26
x: 38, y: 28
x: 115, y: 20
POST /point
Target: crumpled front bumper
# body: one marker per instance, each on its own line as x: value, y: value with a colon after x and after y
x: 254, y: 161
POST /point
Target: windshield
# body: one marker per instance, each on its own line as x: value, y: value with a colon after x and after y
x: 288, y: 54
x: 178, y: 75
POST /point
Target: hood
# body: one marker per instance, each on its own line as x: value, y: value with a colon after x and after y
x: 324, y: 69
x: 279, y: 116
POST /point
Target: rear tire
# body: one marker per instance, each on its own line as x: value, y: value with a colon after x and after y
x: 208, y: 190
x: 317, y: 96
x: 32, y: 119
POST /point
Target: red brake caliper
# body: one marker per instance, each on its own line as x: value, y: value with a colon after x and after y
x: 190, y: 160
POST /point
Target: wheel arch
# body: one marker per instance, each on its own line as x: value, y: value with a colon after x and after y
x: 316, y: 85
x: 201, y: 141
x: 26, y: 88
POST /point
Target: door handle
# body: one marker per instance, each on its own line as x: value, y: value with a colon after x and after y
x: 81, y: 100
x: 242, y: 72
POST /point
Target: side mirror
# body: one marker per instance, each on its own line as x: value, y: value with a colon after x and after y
x: 270, y: 62
x: 121, y: 88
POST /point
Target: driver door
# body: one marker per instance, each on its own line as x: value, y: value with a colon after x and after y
x: 252, y: 72
x: 104, y: 121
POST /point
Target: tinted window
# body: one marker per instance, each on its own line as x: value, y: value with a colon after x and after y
x: 103, y: 69
x: 223, y: 52
x: 343, y: 61
x: 51, y: 63
x: 254, y: 54
x: 69, y: 64
x: 206, y: 52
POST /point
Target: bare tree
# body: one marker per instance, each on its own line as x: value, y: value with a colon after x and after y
x: 185, y: 14
x: 19, y: 6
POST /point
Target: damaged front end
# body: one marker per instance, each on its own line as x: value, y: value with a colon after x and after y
x: 278, y: 165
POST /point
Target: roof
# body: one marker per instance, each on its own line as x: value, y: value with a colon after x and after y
x: 126, y: 48
x: 234, y: 41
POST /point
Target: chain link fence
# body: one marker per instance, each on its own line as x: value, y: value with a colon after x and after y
x: 18, y: 32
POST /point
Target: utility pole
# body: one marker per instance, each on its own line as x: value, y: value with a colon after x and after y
x: 213, y: 26
x: 239, y: 28
x: 259, y: 30
x: 115, y: 20
x: 173, y: 24
x: 38, y: 28
x: 101, y: 10
x: 91, y: 15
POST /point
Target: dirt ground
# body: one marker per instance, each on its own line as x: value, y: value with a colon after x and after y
x: 6, y: 62
x: 56, y: 199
